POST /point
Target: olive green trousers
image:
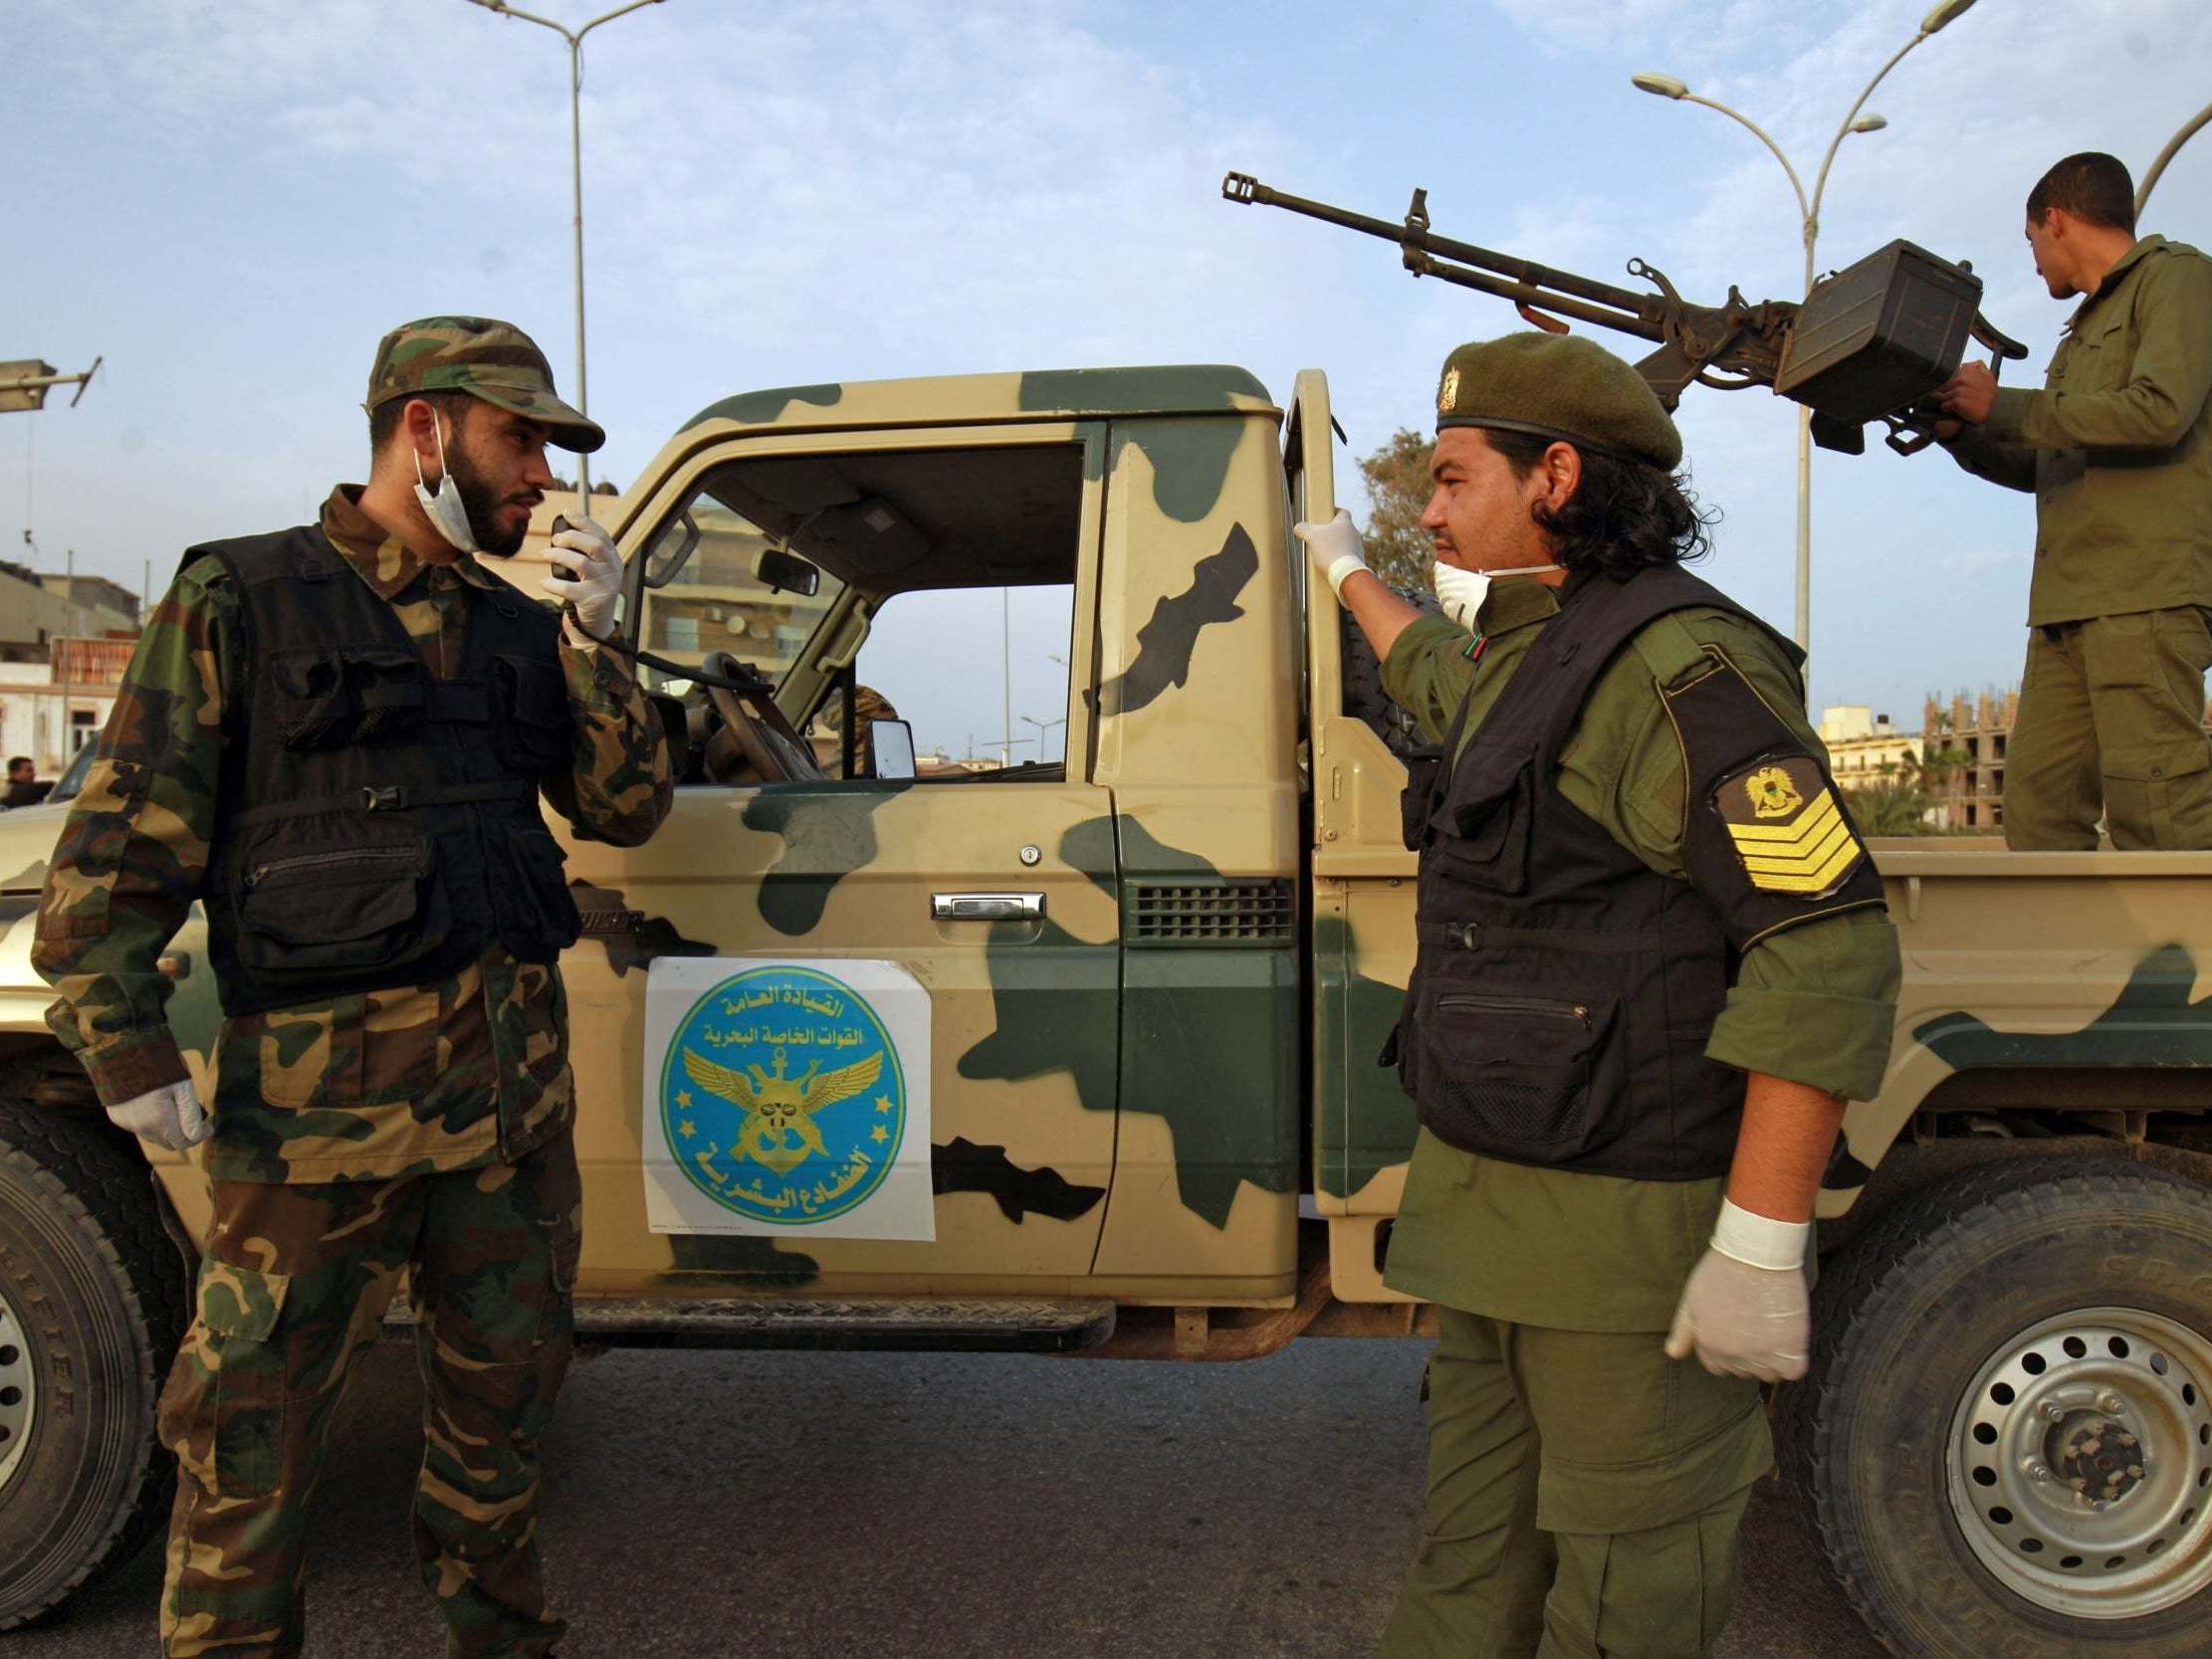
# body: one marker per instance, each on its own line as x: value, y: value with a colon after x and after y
x: 2112, y: 720
x: 1584, y: 1497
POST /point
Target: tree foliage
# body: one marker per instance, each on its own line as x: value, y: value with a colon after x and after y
x: 1904, y: 796
x: 1398, y: 489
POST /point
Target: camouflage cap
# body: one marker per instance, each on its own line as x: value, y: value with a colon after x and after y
x: 485, y: 359
x: 1558, y: 386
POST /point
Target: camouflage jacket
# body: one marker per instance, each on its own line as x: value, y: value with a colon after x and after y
x: 469, y: 1071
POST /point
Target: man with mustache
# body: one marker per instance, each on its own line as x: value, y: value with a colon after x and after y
x: 1652, y: 965
x: 336, y: 737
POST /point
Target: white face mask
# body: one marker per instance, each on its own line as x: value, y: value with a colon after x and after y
x: 445, y: 509
x: 1461, y: 592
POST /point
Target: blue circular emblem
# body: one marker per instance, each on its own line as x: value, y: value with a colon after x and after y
x: 782, y: 1096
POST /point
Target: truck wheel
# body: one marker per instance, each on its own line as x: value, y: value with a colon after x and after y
x: 92, y: 1307
x: 2006, y: 1437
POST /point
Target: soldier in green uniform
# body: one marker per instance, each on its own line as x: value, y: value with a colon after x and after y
x: 1653, y: 964
x: 336, y: 739
x: 2118, y: 448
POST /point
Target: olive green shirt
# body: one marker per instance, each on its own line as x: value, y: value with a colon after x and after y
x: 1814, y: 1003
x: 2117, y: 446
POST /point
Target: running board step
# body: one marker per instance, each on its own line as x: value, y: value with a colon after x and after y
x: 974, y: 1325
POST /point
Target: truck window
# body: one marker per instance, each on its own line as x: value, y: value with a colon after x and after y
x: 980, y: 673
x: 953, y: 570
x: 716, y: 603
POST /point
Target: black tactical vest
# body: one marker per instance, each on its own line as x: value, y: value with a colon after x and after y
x: 1564, y: 991
x: 378, y: 827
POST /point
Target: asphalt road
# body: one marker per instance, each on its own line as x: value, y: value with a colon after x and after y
x: 785, y: 1505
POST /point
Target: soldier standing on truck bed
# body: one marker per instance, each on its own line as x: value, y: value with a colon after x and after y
x: 1653, y: 964
x: 2118, y: 448
x: 336, y: 737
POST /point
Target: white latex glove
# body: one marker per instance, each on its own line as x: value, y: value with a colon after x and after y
x: 170, y: 1116
x: 1744, y: 1310
x: 1334, y: 549
x: 593, y: 576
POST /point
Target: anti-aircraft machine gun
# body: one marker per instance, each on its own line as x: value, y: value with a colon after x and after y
x: 1871, y: 342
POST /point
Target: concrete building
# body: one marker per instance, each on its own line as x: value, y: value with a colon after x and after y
x: 50, y: 709
x: 1974, y: 733
x: 1864, y: 745
x: 37, y: 608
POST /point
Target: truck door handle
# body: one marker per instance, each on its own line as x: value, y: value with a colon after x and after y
x: 986, y: 907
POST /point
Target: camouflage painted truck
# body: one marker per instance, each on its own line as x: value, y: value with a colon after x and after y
x: 1078, y: 1058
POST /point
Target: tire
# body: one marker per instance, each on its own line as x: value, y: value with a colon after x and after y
x: 1925, y: 1438
x: 91, y: 1308
x: 1364, y: 697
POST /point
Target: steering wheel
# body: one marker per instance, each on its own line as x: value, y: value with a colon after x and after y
x: 763, y: 737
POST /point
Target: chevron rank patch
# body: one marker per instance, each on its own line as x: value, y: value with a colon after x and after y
x: 1786, y: 826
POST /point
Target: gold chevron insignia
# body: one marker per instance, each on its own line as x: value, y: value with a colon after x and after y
x: 1787, y: 827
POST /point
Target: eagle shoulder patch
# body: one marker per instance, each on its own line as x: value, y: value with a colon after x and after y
x: 1787, y: 828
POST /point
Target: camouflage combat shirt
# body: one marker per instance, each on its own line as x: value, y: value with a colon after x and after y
x: 2118, y: 445
x: 1814, y: 1003
x: 418, y: 1078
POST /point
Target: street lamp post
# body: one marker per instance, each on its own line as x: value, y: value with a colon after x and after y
x: 2189, y: 132
x: 576, y: 178
x: 1042, y: 727
x: 1809, y: 220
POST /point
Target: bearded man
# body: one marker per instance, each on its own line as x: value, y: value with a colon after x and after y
x: 335, y: 737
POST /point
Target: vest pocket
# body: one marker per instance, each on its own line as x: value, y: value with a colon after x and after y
x: 340, y: 699
x: 343, y: 908
x: 532, y: 727
x: 1479, y: 836
x: 537, y: 913
x: 1511, y: 1075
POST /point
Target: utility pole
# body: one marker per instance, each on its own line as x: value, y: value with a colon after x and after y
x: 574, y: 38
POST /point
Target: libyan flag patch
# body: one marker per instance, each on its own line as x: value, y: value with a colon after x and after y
x: 1787, y: 828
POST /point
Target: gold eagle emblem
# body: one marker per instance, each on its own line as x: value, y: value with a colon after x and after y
x: 1448, y: 393
x: 778, y: 1129
x: 1772, y: 793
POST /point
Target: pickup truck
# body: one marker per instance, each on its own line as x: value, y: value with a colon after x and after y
x: 1078, y: 1057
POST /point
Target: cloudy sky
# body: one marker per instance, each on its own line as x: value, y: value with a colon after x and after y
x: 231, y: 199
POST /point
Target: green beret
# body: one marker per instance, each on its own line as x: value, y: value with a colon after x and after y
x: 1558, y: 386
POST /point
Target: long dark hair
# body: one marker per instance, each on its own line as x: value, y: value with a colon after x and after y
x: 1625, y: 517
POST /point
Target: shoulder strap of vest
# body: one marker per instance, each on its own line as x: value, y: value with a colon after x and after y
x: 1600, y: 615
x: 302, y: 550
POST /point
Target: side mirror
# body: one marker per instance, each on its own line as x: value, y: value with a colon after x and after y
x: 786, y: 572
x: 668, y: 555
x: 891, y: 745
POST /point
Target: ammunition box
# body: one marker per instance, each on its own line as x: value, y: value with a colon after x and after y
x: 1880, y: 334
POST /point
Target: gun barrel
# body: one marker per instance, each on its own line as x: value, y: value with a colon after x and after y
x: 1522, y: 281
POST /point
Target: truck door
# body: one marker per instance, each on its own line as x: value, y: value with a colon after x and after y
x: 994, y: 892
x: 1362, y: 903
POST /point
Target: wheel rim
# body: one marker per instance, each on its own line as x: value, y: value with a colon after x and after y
x: 18, y: 1392
x: 2080, y: 1464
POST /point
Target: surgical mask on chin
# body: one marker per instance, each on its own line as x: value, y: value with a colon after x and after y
x: 448, y: 515
x: 1461, y: 592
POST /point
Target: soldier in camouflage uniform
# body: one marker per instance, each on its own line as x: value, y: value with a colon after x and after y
x: 398, y: 1120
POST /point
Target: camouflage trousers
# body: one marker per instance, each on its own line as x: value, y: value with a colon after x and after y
x: 2112, y: 719
x: 291, y: 1288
